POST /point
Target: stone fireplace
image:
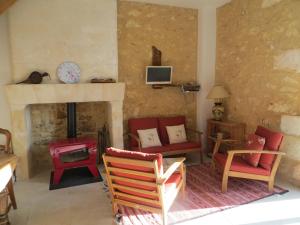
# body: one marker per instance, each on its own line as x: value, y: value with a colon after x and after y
x: 21, y: 97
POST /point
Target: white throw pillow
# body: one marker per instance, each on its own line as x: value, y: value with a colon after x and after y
x: 149, y: 138
x: 176, y: 134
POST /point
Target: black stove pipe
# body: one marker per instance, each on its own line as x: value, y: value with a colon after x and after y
x: 71, y: 120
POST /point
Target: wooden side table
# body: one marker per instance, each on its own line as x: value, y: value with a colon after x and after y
x: 233, y: 133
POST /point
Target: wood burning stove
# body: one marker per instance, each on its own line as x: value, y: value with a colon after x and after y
x: 73, y: 152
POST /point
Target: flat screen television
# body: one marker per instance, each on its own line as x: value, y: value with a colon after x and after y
x: 159, y: 74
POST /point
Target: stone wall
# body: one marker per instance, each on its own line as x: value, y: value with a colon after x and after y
x: 172, y: 30
x: 258, y: 59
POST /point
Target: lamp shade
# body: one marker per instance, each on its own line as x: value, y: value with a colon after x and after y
x: 218, y: 92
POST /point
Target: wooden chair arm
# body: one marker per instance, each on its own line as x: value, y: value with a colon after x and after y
x: 255, y: 151
x: 137, y: 140
x: 7, y: 147
x: 170, y: 170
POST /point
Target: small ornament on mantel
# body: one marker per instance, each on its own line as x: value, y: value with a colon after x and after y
x: 100, y: 80
x: 156, y: 56
x: 35, y: 78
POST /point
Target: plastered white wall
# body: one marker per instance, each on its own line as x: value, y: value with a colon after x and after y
x: 5, y: 71
x: 206, y: 64
x: 46, y: 33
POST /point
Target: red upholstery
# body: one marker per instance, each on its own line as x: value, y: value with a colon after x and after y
x: 140, y: 124
x: 134, y: 155
x: 171, y: 147
x: 156, y: 149
x: 168, y: 121
x: 185, y: 145
x: 240, y: 165
x: 254, y: 142
x: 273, y: 141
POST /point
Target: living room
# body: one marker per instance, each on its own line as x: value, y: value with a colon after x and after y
x: 242, y: 55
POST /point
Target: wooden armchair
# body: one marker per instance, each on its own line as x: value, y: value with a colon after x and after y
x: 137, y: 180
x: 7, y: 147
x: 233, y: 164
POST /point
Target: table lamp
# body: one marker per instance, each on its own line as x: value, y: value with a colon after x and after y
x: 218, y: 93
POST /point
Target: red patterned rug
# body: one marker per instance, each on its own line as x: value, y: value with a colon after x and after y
x: 203, y: 197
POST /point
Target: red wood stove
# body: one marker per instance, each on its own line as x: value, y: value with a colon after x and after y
x: 73, y: 153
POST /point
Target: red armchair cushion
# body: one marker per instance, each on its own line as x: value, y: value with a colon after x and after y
x: 240, y: 165
x: 168, y: 121
x: 134, y: 155
x: 273, y: 141
x: 254, y: 142
x: 140, y: 124
x: 171, y: 147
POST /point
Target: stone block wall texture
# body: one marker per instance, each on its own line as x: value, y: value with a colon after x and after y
x: 172, y: 30
x: 258, y: 60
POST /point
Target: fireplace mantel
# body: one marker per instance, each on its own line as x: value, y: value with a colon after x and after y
x: 21, y: 95
x: 25, y: 94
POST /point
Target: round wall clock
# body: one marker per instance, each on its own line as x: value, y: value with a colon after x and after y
x: 68, y: 72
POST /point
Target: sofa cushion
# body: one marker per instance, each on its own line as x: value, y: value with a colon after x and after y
x: 254, y: 142
x: 168, y: 121
x: 176, y: 134
x: 155, y: 149
x: 240, y: 165
x: 273, y: 141
x: 149, y: 137
x: 140, y: 124
x: 182, y: 146
x: 171, y: 147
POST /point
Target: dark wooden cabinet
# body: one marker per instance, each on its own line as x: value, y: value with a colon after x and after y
x: 231, y: 131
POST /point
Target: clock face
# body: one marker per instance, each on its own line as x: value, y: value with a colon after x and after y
x: 68, y: 72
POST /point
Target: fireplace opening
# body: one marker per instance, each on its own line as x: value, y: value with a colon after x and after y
x: 65, y: 121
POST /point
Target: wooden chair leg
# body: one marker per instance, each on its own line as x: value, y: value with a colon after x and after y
x: 201, y: 157
x: 114, y: 208
x: 164, y: 216
x: 271, y: 185
x: 224, y: 182
x: 12, y: 193
x: 183, y: 172
x: 213, y: 165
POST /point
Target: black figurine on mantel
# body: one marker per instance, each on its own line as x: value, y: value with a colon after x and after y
x: 156, y: 56
x: 35, y: 78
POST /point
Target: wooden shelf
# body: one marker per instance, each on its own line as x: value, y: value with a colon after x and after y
x: 185, y: 87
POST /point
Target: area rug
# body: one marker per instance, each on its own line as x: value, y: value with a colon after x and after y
x: 203, y: 197
x: 74, y: 177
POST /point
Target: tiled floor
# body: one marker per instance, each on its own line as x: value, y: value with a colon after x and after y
x: 89, y: 205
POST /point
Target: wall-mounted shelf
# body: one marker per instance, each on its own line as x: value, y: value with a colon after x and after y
x: 185, y: 87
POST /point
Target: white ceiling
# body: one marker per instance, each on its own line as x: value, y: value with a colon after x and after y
x: 186, y: 3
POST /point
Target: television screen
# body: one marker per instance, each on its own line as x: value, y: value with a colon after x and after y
x: 158, y: 74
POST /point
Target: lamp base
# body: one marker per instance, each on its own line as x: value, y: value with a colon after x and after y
x: 218, y: 111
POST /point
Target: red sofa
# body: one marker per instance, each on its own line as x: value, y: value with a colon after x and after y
x: 160, y: 124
